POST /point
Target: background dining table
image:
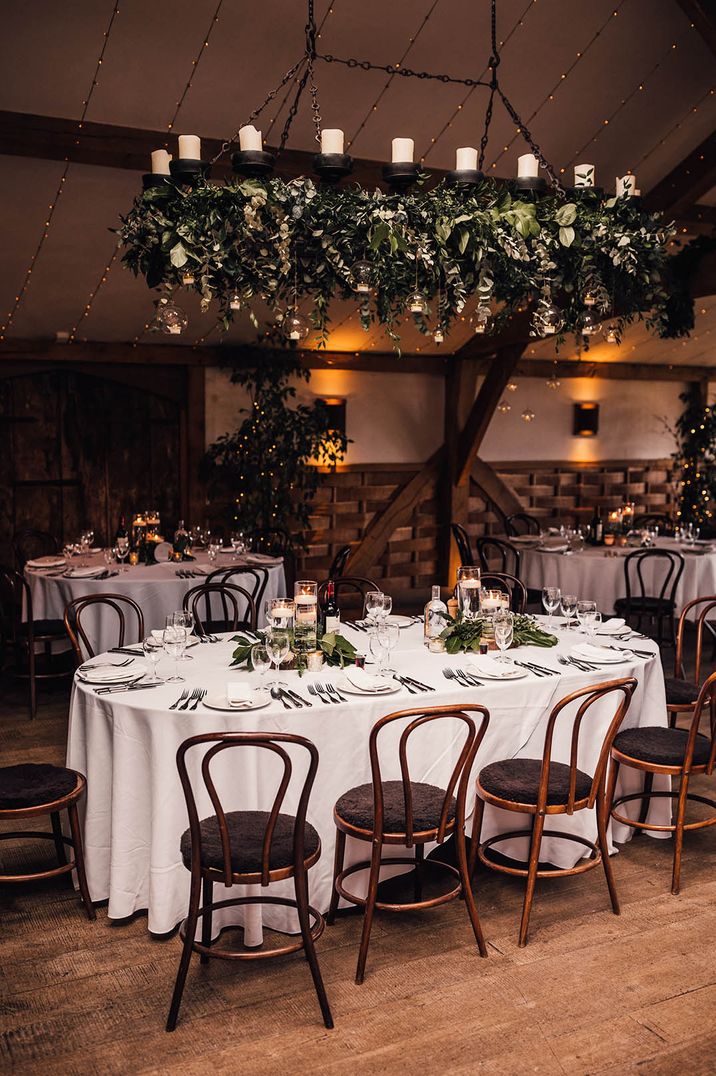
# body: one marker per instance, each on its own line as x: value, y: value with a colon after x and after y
x: 158, y: 589
x: 135, y: 811
x: 597, y: 572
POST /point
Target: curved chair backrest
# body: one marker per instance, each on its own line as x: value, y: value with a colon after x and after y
x: 462, y: 541
x: 267, y: 741
x: 708, y: 603
x: 30, y: 543
x: 348, y: 584
x: 707, y: 696
x: 520, y: 523
x: 120, y: 604
x: 510, y: 584
x: 258, y: 577
x: 231, y: 597
x: 340, y: 560
x: 588, y: 696
x: 504, y: 553
x: 671, y: 563
x: 13, y: 588
x: 460, y: 774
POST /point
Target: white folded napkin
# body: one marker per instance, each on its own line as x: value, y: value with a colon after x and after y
x: 262, y: 558
x: 45, y: 562
x: 614, y: 626
x: 595, y: 653
x: 488, y: 666
x: 85, y: 573
x: 365, y: 681
x: 555, y: 545
x: 238, y: 694
x: 111, y: 674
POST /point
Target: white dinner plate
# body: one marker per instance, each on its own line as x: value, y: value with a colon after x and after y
x: 511, y: 672
x: 345, y: 685
x: 220, y: 702
x: 162, y: 551
x: 113, y: 676
x: 609, y: 657
x: 401, y: 621
x: 84, y: 573
x: 45, y: 562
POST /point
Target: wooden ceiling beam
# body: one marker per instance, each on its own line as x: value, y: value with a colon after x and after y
x: 693, y: 177
x: 612, y: 371
x: 702, y: 14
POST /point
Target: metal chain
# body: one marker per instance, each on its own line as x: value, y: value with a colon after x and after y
x: 493, y: 63
x: 531, y: 143
x: 394, y: 69
x: 293, y: 109
x: 226, y: 145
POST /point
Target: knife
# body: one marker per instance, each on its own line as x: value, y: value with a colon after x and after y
x: 125, y: 650
x: 123, y: 687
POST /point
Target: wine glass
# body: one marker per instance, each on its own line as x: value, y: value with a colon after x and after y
x: 569, y: 607
x: 585, y: 609
x: 84, y: 548
x: 174, y: 641
x: 378, y: 650
x: 237, y: 543
x: 185, y: 619
x: 261, y: 661
x: 551, y: 597
x: 278, y: 646
x: 373, y: 605
x: 385, y: 610
x: 212, y: 550
x: 153, y: 648
x: 388, y: 636
x: 503, y: 623
x: 108, y: 555
x: 592, y: 620
x: 122, y: 551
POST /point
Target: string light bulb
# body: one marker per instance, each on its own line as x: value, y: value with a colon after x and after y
x: 528, y: 415
x: 504, y: 406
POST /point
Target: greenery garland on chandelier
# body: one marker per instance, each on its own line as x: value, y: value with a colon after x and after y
x: 431, y: 253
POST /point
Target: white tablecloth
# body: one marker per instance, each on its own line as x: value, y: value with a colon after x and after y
x: 135, y: 811
x: 598, y: 573
x: 156, y: 588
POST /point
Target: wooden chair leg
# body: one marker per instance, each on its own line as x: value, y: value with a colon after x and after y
x: 679, y: 835
x: 207, y: 897
x: 603, y: 809
x: 672, y: 718
x: 76, y: 833
x: 611, y: 786
x: 369, y: 910
x: 60, y: 848
x: 309, y: 948
x: 419, y: 871
x: 476, y: 833
x: 191, y: 921
x: 645, y: 803
x: 535, y: 845
x: 467, y: 890
x: 337, y: 868
x: 32, y: 680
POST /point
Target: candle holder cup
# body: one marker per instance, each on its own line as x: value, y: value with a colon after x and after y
x: 151, y: 180
x: 464, y: 177
x: 400, y: 176
x: 188, y: 171
x: 332, y: 167
x: 253, y: 163
x: 530, y: 185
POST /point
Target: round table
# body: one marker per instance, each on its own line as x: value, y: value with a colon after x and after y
x: 135, y: 811
x: 156, y: 588
x: 598, y: 573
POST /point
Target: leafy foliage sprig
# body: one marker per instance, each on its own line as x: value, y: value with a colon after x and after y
x: 255, y: 238
x: 465, y: 635
x: 336, y: 649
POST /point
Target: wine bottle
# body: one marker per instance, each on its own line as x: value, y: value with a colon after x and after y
x: 121, y: 531
x: 435, y: 617
x: 596, y: 529
x: 331, y: 614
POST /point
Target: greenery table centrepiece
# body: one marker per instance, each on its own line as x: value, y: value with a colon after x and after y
x: 336, y: 651
x: 466, y: 635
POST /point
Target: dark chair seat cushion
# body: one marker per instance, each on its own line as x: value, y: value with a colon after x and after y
x: 356, y: 806
x: 246, y: 837
x: 665, y: 747
x: 644, y: 605
x: 46, y: 627
x: 517, y: 780
x: 680, y: 691
x: 31, y: 784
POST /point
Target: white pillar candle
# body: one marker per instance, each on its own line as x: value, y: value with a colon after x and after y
x: 160, y: 162
x: 626, y: 185
x: 190, y: 147
x: 249, y: 138
x: 332, y: 140
x: 584, y: 175
x: 403, y: 150
x: 527, y: 166
x: 466, y: 159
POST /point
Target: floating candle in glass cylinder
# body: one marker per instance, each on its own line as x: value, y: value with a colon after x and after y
x: 281, y: 612
x: 468, y: 591
x: 305, y: 597
x: 492, y: 600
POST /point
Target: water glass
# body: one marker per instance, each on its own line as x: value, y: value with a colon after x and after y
x: 212, y: 550
x: 569, y: 607
x: 503, y: 623
x: 122, y: 551
x: 377, y: 649
x: 261, y: 661
x: 174, y: 640
x: 551, y: 597
x: 389, y: 636
x: 278, y: 647
x: 585, y: 609
x: 185, y: 619
x: 374, y: 605
x: 153, y: 649
x: 592, y: 620
x: 108, y: 556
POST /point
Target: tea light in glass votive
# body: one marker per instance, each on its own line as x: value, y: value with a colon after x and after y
x: 314, y: 660
x: 282, y: 612
x: 134, y: 557
x: 609, y: 539
x: 437, y: 646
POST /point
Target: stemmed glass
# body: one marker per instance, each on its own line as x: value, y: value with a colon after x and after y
x: 569, y: 607
x: 212, y: 550
x: 153, y: 651
x: 185, y: 619
x: 374, y: 600
x: 503, y: 623
x: 592, y: 620
x: 551, y: 597
x: 388, y: 636
x: 585, y: 609
x: 108, y: 555
x: 261, y: 661
x: 237, y: 543
x: 122, y: 551
x: 378, y: 650
x: 174, y: 640
x: 278, y: 646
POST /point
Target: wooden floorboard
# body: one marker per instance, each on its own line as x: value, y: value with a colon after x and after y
x: 591, y: 993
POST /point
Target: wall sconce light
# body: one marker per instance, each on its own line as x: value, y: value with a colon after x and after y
x: 586, y: 420
x: 336, y: 409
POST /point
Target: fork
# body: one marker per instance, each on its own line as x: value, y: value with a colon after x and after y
x: 189, y: 699
x: 583, y: 666
x: 184, y: 695
x: 461, y: 678
x: 314, y: 690
x: 333, y: 692
x: 200, y: 695
x: 105, y: 665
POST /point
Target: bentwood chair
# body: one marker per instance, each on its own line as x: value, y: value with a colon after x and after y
x: 348, y: 587
x: 256, y: 580
x: 462, y: 541
x: 543, y: 787
x: 31, y: 790
x: 238, y: 610
x: 410, y: 814
x: 277, y: 543
x: 89, y: 605
x: 29, y: 543
x: 681, y: 693
x: 338, y: 565
x: 640, y: 601
x: 510, y: 584
x: 33, y: 643
x: 253, y: 848
x: 496, y: 554
x: 520, y: 523
x: 676, y: 753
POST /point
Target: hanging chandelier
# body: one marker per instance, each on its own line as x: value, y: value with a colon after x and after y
x: 472, y: 247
